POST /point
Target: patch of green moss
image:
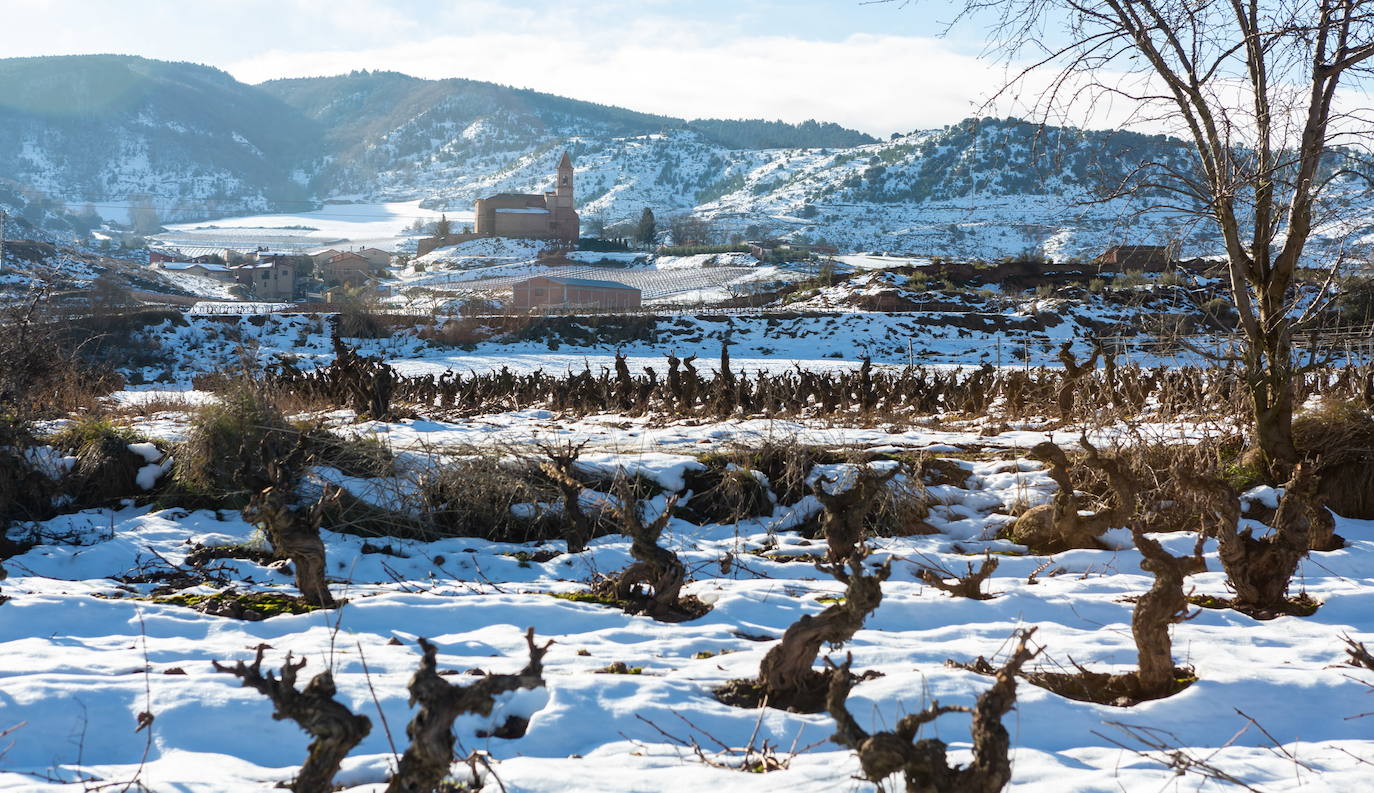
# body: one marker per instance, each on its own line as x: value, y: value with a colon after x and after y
x: 1242, y: 476
x: 525, y: 557
x: 712, y: 653
x: 620, y: 668
x: 268, y: 604
x: 586, y: 596
x: 1303, y: 605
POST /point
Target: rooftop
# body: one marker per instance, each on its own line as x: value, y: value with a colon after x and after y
x: 565, y: 281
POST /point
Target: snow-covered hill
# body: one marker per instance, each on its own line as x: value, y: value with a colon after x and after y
x: 192, y: 143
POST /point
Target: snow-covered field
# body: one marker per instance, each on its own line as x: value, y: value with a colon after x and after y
x: 380, y: 225
x: 81, y: 656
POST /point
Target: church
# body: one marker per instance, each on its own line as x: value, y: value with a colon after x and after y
x: 536, y: 216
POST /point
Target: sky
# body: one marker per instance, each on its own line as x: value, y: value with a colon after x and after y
x: 878, y: 67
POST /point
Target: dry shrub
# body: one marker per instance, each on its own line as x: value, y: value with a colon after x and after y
x: 358, y: 322
x: 106, y: 470
x: 1062, y: 524
x: 786, y: 463
x: 1165, y: 503
x: 474, y: 496
x: 43, y: 373
x: 25, y: 492
x: 223, y: 459
x: 363, y: 457
x: 1338, y: 438
x: 901, y: 509
x: 727, y: 494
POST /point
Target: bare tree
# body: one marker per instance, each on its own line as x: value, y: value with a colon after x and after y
x: 691, y: 230
x: 1253, y: 87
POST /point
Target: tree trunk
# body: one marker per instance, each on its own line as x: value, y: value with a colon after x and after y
x: 1270, y: 377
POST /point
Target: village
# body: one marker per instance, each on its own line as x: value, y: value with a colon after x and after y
x: 568, y: 273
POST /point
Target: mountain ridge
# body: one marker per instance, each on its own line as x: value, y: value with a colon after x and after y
x: 194, y: 143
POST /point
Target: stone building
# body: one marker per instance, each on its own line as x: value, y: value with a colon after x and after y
x: 346, y: 268
x: 543, y: 291
x: 530, y: 215
x: 378, y: 258
x: 1145, y: 258
x: 271, y: 277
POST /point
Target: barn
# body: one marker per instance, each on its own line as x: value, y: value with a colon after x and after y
x: 544, y: 291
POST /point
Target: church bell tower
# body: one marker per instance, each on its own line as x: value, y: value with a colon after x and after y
x: 565, y: 221
x: 565, y: 182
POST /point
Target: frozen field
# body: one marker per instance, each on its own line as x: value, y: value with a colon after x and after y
x: 349, y: 225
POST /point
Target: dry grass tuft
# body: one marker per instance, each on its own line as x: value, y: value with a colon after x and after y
x: 224, y: 455
x: 1339, y: 438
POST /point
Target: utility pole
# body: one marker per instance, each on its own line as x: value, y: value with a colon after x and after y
x: 3, y: 217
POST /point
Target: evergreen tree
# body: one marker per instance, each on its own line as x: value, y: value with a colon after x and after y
x: 442, y: 228
x: 648, y: 227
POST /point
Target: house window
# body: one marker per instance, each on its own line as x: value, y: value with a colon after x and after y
x: 266, y: 275
x: 539, y: 291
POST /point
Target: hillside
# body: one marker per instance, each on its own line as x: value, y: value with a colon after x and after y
x: 193, y: 143
x: 109, y: 129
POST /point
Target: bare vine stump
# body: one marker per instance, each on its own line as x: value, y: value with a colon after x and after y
x: 293, y: 532
x: 1259, y: 570
x: 969, y: 585
x: 430, y: 754
x: 368, y: 383
x: 1073, y: 373
x: 1163, y: 606
x: 334, y: 728
x: 560, y: 467
x: 1357, y: 654
x: 1058, y: 526
x: 653, y: 584
x: 923, y: 762
x: 786, y: 678
x: 843, y: 514
x: 1157, y: 610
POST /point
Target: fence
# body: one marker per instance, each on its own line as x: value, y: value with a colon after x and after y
x: 652, y: 284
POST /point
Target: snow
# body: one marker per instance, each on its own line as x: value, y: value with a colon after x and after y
x: 351, y: 225
x: 148, y: 451
x: 76, y: 647
x: 80, y: 657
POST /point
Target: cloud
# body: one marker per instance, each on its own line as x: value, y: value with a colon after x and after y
x: 879, y: 84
